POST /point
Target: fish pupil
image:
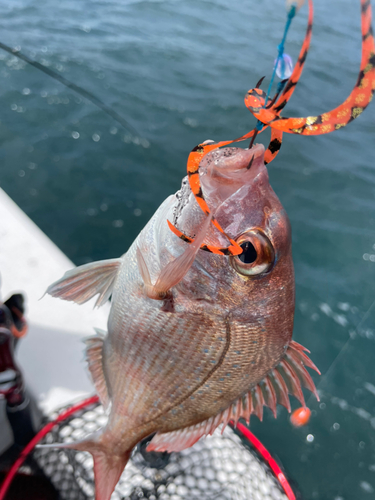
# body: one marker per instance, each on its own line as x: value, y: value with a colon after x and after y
x: 249, y: 254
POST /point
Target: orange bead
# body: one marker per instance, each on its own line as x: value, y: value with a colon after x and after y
x: 300, y: 417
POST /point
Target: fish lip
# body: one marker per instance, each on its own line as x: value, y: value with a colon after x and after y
x: 258, y: 153
x: 222, y: 165
x: 258, y: 148
x: 225, y: 171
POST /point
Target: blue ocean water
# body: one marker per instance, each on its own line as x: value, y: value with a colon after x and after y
x: 178, y: 72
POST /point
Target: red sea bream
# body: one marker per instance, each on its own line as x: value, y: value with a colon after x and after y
x: 194, y: 339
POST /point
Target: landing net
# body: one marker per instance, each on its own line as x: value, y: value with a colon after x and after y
x: 220, y: 467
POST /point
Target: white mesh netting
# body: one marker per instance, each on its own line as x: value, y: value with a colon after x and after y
x: 219, y: 467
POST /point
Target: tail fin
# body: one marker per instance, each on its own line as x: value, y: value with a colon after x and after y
x: 108, y: 469
x: 108, y: 466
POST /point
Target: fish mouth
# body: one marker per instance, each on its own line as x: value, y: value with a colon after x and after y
x: 234, y: 160
x: 224, y: 171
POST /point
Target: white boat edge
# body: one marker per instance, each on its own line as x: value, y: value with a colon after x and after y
x: 30, y: 262
x: 51, y: 354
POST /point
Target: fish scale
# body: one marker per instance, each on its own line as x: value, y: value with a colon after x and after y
x: 132, y: 345
x: 229, y: 380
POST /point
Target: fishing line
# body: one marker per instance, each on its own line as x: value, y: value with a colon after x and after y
x: 76, y: 88
x: 344, y: 348
x: 291, y: 13
x: 280, y: 48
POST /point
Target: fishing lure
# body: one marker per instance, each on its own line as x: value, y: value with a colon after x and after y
x: 351, y: 108
x: 201, y: 150
x: 268, y: 115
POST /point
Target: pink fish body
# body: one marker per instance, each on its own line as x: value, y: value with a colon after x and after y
x: 179, y: 360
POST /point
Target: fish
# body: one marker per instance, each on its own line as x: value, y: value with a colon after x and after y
x: 214, y: 347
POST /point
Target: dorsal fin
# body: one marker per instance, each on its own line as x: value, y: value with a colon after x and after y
x: 94, y: 358
x: 284, y: 379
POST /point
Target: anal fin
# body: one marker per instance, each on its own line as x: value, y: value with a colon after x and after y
x: 94, y: 358
x: 84, y: 282
x: 183, y: 438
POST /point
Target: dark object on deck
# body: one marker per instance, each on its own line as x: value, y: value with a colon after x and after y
x: 20, y: 409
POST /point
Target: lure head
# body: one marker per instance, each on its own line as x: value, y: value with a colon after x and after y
x: 255, y: 100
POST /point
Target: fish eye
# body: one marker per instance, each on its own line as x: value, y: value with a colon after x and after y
x: 249, y: 254
x: 258, y: 254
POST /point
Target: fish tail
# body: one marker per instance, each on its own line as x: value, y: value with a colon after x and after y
x: 108, y: 469
x: 108, y: 466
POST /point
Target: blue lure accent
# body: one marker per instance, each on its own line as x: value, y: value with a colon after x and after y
x: 284, y: 66
x: 292, y: 12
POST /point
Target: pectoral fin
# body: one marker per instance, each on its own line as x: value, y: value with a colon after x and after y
x: 82, y: 283
x: 175, y: 270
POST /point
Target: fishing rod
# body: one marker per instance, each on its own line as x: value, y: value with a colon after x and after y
x: 76, y: 88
